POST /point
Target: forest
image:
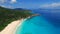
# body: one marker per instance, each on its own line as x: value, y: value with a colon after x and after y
x: 8, y: 15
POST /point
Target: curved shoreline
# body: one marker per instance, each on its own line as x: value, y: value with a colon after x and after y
x: 19, y: 25
x: 12, y: 27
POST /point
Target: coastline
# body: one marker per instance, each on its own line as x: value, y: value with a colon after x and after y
x: 12, y: 27
x: 19, y: 25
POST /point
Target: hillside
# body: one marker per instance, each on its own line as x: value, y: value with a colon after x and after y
x: 9, y: 15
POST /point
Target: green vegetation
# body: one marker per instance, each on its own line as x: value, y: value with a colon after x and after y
x: 9, y: 15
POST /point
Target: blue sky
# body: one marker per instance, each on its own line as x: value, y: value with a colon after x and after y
x: 30, y: 4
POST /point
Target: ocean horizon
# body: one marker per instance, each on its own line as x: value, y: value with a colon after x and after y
x: 18, y: 17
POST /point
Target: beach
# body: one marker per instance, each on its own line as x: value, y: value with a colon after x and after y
x: 11, y: 28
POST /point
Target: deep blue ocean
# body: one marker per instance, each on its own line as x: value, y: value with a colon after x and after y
x: 47, y: 23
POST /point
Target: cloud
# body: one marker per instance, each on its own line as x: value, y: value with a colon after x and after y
x: 52, y: 5
x: 2, y: 1
x: 7, y: 1
x: 9, y: 6
x: 13, y: 1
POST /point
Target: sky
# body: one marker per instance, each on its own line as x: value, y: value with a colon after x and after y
x: 30, y: 4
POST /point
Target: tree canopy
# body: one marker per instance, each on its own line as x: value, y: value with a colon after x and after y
x: 9, y: 15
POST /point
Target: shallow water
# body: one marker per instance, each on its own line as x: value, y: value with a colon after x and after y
x: 37, y: 25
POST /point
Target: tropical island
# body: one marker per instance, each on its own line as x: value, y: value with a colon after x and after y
x: 9, y: 15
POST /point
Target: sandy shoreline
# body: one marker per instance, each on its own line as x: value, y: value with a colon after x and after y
x: 11, y: 28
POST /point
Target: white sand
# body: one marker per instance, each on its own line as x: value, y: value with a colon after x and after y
x: 11, y: 28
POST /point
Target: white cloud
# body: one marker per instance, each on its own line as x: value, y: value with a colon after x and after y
x: 5, y: 1
x: 52, y: 5
x: 2, y: 1
x: 9, y: 6
x: 13, y: 1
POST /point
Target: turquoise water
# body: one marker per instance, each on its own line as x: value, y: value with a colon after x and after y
x: 37, y: 25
